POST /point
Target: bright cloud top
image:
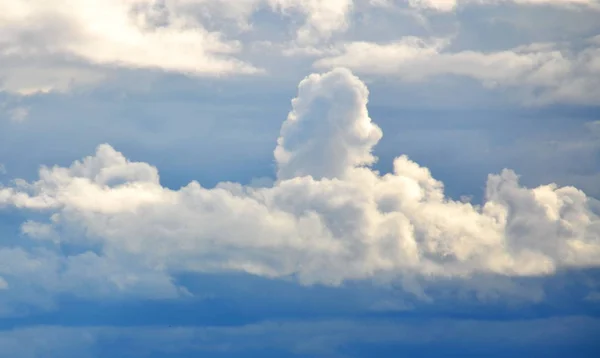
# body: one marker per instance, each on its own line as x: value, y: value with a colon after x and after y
x: 328, y: 218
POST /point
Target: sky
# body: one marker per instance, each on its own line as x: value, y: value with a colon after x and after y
x: 299, y: 178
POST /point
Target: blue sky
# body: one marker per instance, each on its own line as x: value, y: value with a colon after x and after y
x: 299, y: 178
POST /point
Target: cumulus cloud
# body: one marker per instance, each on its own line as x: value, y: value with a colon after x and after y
x: 328, y: 218
x: 329, y: 130
x: 549, y: 73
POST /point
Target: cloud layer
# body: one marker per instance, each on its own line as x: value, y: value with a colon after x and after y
x: 328, y: 218
x: 72, y: 35
x: 547, y: 72
x: 45, y: 48
x: 81, y: 41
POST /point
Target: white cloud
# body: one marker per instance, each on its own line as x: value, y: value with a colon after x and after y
x: 132, y: 34
x: 327, y: 219
x: 323, y: 18
x: 329, y: 130
x: 53, y: 46
x: 167, y: 35
x: 548, y: 73
x: 452, y: 5
x: 312, y: 20
x: 45, y: 47
x: 35, y: 277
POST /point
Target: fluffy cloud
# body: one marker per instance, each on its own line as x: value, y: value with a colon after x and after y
x: 547, y: 72
x: 186, y: 36
x: 67, y: 35
x: 328, y: 218
x: 328, y: 131
x: 55, y: 46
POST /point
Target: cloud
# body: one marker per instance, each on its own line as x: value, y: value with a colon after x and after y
x: 329, y: 130
x: 452, y: 5
x: 323, y: 18
x: 328, y: 218
x: 132, y: 34
x: 193, y: 37
x: 545, y: 71
x: 45, y: 48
